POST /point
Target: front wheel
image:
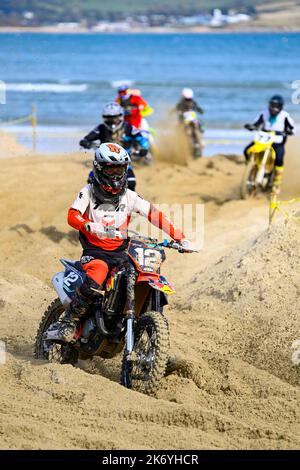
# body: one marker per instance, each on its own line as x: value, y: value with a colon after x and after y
x: 248, y: 185
x: 197, y: 143
x: 143, y: 370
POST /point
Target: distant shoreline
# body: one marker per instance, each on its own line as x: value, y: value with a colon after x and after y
x: 154, y: 30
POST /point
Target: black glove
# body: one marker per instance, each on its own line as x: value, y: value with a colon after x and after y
x: 249, y: 127
x: 84, y: 143
x: 143, y: 152
x: 289, y: 132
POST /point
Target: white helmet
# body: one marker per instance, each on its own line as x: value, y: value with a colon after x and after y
x: 112, y: 154
x: 110, y: 171
x: 187, y: 93
x: 113, y: 116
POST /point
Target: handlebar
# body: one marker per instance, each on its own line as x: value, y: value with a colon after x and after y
x: 111, y: 232
x: 172, y: 245
x: 91, y: 145
x: 251, y: 128
x: 134, y: 152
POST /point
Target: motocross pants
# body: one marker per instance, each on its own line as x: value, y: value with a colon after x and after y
x: 97, y: 264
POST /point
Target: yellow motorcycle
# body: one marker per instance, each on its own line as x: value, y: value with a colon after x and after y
x: 193, y: 131
x: 259, y: 172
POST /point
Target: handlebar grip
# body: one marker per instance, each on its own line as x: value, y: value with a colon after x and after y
x: 250, y: 127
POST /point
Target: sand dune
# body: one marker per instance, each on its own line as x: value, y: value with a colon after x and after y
x: 9, y: 147
x: 233, y: 320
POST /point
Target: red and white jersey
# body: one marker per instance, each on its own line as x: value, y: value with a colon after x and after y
x: 130, y: 202
x: 91, y: 210
x: 85, y: 209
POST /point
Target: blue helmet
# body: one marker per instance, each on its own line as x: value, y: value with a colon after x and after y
x: 276, y: 104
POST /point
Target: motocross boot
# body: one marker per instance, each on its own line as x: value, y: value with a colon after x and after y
x: 67, y: 325
x: 277, y: 180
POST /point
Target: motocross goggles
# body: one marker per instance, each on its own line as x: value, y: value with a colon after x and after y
x: 113, y: 120
x: 275, y: 107
x: 114, y: 171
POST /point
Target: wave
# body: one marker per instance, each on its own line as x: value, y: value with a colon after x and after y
x: 47, y: 87
x: 117, y: 83
x: 67, y: 87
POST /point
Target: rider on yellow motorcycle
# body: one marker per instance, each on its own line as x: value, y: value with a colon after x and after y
x: 278, y: 120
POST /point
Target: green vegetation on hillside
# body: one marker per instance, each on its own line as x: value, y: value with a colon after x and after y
x: 47, y: 12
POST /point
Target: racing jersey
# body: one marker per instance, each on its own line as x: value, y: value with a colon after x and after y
x: 133, y: 107
x: 85, y: 209
x: 281, y: 123
x: 188, y: 105
x: 125, y: 136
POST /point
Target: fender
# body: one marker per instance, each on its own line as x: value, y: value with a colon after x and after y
x: 66, y: 282
x: 156, y: 281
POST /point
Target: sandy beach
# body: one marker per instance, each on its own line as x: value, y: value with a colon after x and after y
x: 233, y: 319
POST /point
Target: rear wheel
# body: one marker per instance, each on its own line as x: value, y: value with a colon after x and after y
x: 145, y: 368
x: 51, y: 351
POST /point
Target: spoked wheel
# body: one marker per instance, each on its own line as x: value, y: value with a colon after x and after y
x: 148, y: 160
x: 197, y: 144
x: 62, y: 354
x: 53, y: 352
x: 145, y: 368
x: 248, y: 186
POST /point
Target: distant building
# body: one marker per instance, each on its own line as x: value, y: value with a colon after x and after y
x: 28, y: 15
x: 69, y: 25
x: 108, y: 27
x: 219, y: 19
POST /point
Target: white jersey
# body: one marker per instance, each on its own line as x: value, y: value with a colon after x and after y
x: 279, y: 123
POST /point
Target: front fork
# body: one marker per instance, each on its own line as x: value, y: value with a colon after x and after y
x: 261, y: 172
x: 130, y: 310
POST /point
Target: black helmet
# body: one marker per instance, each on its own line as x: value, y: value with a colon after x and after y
x: 276, y: 104
x: 113, y: 116
x: 110, y: 172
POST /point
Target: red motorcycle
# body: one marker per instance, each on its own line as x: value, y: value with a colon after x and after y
x: 127, y: 316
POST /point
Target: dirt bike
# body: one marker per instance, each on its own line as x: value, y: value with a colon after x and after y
x: 127, y: 315
x: 137, y: 158
x: 259, y: 173
x: 193, y: 132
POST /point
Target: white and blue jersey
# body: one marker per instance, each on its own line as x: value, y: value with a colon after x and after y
x: 283, y: 122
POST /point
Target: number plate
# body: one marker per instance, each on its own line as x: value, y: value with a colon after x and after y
x: 189, y: 116
x: 264, y: 137
x: 145, y: 258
